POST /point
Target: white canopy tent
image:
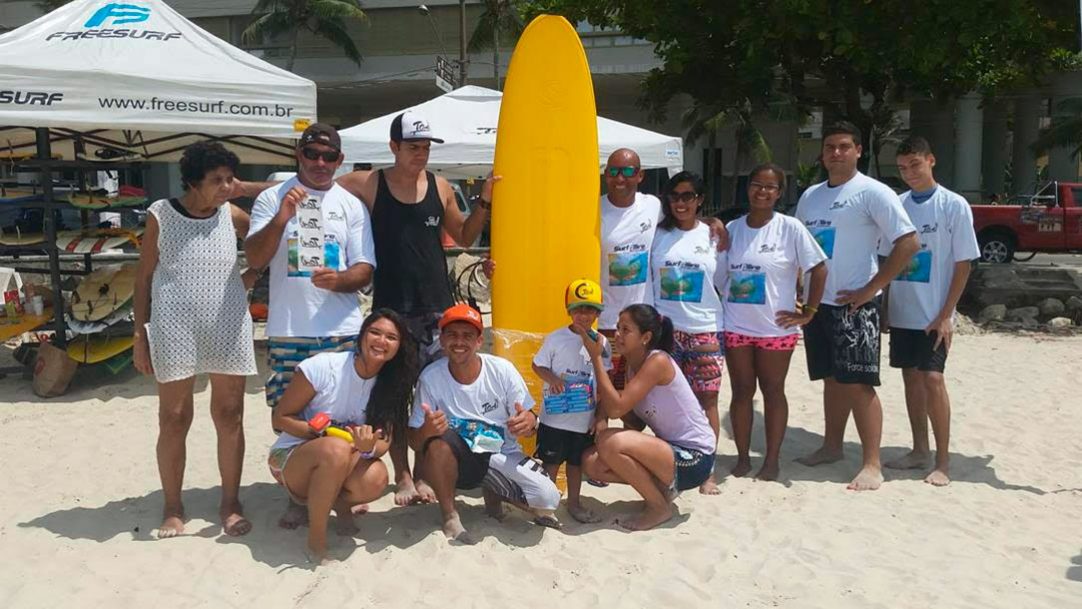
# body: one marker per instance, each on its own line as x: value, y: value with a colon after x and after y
x: 466, y: 119
x: 140, y: 79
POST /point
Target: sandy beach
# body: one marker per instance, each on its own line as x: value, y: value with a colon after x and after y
x: 81, y: 499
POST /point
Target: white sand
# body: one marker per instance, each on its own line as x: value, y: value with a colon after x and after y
x: 81, y: 497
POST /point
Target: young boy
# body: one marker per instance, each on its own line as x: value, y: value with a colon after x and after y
x: 569, y: 410
x: 921, y: 302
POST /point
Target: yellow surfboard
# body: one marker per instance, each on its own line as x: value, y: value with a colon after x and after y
x: 545, y: 219
x: 104, y: 291
x: 98, y: 348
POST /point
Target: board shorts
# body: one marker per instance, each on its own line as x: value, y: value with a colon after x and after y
x: 556, y: 446
x: 283, y: 355
x: 276, y: 462
x: 514, y: 477
x: 843, y: 345
x: 734, y: 340
x: 425, y: 330
x: 913, y: 349
x: 701, y: 368
x: 692, y: 467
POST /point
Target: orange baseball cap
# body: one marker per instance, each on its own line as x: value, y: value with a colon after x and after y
x: 463, y: 312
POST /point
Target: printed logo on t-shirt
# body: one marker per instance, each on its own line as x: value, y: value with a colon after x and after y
x: 628, y: 267
x: 928, y: 229
x: 919, y: 269
x: 683, y: 283
x: 824, y: 236
x: 839, y: 205
x: 331, y: 253
x: 488, y: 407
x: 432, y: 222
x: 768, y: 248
x: 334, y: 215
x: 747, y: 287
x: 645, y: 226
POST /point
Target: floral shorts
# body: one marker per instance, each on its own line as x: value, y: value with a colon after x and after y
x: 766, y: 343
x: 701, y: 364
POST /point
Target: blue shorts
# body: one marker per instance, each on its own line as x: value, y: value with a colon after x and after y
x: 692, y: 467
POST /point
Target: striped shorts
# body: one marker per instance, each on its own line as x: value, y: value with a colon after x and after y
x: 283, y: 355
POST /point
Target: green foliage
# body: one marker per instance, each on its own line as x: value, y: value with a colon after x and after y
x: 1065, y: 130
x: 501, y: 18
x: 324, y: 18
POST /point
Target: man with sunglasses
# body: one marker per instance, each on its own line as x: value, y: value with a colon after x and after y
x: 629, y: 220
x: 318, y: 311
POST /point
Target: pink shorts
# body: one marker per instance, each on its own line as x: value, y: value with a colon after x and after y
x: 766, y: 343
x: 734, y: 340
x: 701, y: 358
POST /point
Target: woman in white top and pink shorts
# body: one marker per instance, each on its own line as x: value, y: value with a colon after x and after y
x: 680, y: 453
x: 767, y: 252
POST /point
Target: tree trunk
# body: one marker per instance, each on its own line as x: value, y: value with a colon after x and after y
x: 293, y: 50
x: 496, y: 55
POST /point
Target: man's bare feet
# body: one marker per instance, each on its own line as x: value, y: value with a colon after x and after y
x: 768, y: 472
x: 493, y: 505
x: 648, y: 518
x: 822, y: 456
x: 582, y: 514
x: 296, y: 516
x: 868, y: 479
x: 233, y: 521
x: 318, y: 557
x: 912, y: 460
x: 172, y: 522
x: 741, y: 469
x: 710, y: 487
x: 938, y: 477
x: 405, y: 492
x: 425, y: 492
x: 453, y: 529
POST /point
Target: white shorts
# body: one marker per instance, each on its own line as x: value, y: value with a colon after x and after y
x: 519, y: 479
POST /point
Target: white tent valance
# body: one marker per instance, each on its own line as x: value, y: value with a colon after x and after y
x: 466, y: 119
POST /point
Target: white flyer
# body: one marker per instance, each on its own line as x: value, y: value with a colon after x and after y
x: 310, y: 234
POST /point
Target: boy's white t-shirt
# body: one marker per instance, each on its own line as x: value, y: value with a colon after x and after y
x: 626, y: 236
x: 478, y: 411
x: 563, y: 353
x: 297, y: 307
x: 848, y: 222
x: 945, y: 228
x: 763, y: 264
x: 686, y: 266
x: 340, y: 392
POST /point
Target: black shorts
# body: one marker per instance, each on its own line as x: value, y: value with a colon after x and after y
x: 556, y: 446
x: 472, y: 466
x: 843, y: 345
x: 913, y: 349
x: 424, y: 328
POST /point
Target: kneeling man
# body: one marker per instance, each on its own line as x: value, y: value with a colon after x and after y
x: 468, y: 411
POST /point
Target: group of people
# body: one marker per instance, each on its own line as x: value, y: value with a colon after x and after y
x: 678, y: 295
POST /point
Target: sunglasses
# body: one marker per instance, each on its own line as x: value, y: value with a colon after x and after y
x: 312, y: 154
x: 764, y: 187
x: 626, y: 171
x: 683, y: 197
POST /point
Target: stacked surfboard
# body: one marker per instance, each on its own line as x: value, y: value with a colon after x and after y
x: 101, y: 317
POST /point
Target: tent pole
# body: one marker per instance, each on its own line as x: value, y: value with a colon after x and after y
x: 45, y: 155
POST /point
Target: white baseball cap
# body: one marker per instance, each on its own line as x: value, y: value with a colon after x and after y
x: 411, y: 125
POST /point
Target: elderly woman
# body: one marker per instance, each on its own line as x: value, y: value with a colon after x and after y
x: 363, y: 396
x: 190, y: 288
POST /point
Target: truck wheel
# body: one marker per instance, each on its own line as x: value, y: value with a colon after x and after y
x: 997, y: 247
x: 1027, y: 257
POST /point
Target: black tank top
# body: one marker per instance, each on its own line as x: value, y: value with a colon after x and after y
x: 411, y: 267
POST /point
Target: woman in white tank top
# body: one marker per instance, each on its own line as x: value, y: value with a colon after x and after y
x: 680, y: 454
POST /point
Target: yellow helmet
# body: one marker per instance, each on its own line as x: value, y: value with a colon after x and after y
x: 583, y: 293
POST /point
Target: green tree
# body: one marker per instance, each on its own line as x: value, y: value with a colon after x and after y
x: 501, y: 18
x: 323, y: 18
x: 1065, y: 129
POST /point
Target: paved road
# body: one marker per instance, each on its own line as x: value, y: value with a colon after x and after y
x: 1072, y: 261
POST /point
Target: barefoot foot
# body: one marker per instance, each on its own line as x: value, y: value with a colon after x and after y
x: 648, y: 518
x: 172, y: 523
x: 868, y: 479
x: 768, y: 472
x: 405, y: 493
x: 296, y: 516
x: 453, y: 529
x: 710, y: 487
x: 822, y: 456
x: 233, y: 521
x: 912, y: 460
x: 938, y: 477
x: 582, y: 514
x: 742, y: 467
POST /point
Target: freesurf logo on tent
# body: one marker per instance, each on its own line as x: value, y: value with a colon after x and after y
x: 116, y: 14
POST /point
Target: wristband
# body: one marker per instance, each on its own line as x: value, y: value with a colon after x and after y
x: 368, y: 454
x: 811, y: 309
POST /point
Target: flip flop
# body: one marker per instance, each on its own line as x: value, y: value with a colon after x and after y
x: 548, y: 521
x: 597, y: 483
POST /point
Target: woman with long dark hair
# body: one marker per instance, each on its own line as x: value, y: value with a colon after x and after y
x: 340, y: 414
x: 680, y: 453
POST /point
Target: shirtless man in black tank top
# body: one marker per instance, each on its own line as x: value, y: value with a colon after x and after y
x: 409, y: 207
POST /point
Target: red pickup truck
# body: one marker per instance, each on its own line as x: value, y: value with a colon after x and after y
x: 1049, y: 221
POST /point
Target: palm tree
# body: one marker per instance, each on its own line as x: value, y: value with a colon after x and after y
x: 324, y: 18
x: 1065, y: 130
x: 500, y: 18
x: 700, y: 120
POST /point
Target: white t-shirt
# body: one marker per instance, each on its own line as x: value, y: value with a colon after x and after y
x: 297, y: 307
x: 626, y: 236
x: 564, y: 354
x: 686, y: 266
x: 763, y: 267
x: 945, y: 229
x: 849, y: 221
x: 340, y: 392
x: 478, y: 411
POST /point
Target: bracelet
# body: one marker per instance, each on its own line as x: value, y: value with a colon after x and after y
x: 368, y: 454
x: 811, y: 309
